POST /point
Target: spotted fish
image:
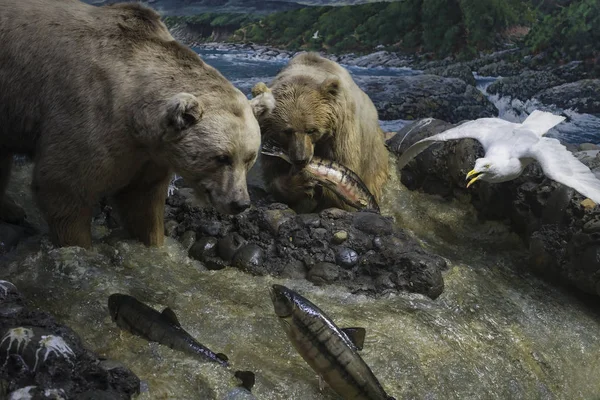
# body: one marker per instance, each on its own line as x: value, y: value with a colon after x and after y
x: 330, y: 351
x: 334, y: 176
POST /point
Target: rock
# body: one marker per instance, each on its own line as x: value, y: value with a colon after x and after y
x: 228, y: 246
x: 170, y: 228
x: 10, y: 235
x: 346, y: 258
x: 275, y: 218
x: 582, y: 96
x: 588, y: 147
x: 460, y: 71
x: 311, y: 220
x: 188, y: 239
x: 372, y: 223
x: 588, y: 204
x: 340, y: 237
x: 250, y: 259
x: 48, y: 360
x: 525, y: 85
x: 211, y: 228
x: 502, y: 68
x: 323, y: 273
x: 203, y: 248
x: 294, y: 270
x: 421, y: 96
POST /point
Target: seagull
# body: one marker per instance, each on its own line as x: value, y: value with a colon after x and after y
x: 510, y: 147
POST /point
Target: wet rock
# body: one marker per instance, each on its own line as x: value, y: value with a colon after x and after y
x: 525, y: 85
x: 275, y: 218
x: 589, y: 146
x: 44, y: 359
x: 323, y: 273
x: 460, y: 71
x: 294, y: 270
x: 188, y: 239
x: 372, y: 223
x: 203, y: 248
x: 211, y: 228
x: 340, y: 237
x: 346, y: 258
x: 422, y: 96
x: 557, y: 223
x: 250, y: 259
x: 229, y: 245
x: 502, y: 68
x: 311, y: 220
x: 10, y: 235
x: 170, y: 228
x: 582, y: 96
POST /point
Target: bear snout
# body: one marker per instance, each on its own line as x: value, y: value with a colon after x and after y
x: 239, y: 206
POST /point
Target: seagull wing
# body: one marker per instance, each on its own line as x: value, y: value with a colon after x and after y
x: 540, y: 122
x: 486, y: 131
x: 562, y: 166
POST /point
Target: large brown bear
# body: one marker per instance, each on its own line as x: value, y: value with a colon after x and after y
x: 108, y: 103
x: 319, y: 110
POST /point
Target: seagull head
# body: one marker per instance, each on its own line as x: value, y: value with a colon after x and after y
x: 484, y: 168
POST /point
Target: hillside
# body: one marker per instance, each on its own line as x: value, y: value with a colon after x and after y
x: 191, y: 7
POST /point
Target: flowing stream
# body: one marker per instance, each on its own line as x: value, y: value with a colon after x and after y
x: 495, y: 333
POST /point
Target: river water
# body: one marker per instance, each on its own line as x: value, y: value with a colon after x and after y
x: 244, y: 70
x: 495, y: 333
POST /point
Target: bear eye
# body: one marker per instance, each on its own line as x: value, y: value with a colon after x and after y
x: 224, y: 159
x: 311, y: 131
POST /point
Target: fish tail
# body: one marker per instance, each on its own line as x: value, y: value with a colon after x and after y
x: 270, y: 148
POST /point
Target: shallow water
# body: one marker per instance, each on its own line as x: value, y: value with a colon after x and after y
x: 495, y: 332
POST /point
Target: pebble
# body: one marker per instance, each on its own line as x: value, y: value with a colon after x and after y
x: 294, y: 270
x: 372, y: 223
x: 229, y: 245
x: 346, y: 257
x: 311, y: 220
x: 211, y: 228
x: 340, y: 237
x: 276, y: 218
x: 588, y: 204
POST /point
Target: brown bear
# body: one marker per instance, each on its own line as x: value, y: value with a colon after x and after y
x: 319, y: 110
x: 108, y: 103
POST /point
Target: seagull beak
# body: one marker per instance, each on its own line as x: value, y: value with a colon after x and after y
x: 470, y: 174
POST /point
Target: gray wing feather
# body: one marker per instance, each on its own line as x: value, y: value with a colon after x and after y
x: 484, y: 130
x: 562, y: 166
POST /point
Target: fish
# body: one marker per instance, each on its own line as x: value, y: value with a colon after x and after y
x: 136, y: 317
x: 334, y: 176
x: 330, y: 351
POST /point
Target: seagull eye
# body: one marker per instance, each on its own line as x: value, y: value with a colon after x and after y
x: 487, y: 166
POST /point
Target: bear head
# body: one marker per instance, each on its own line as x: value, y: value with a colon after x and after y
x: 304, y: 114
x: 210, y: 142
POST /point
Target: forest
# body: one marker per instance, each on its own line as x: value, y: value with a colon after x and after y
x: 464, y: 28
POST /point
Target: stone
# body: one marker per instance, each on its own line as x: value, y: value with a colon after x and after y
x: 346, y: 258
x: 372, y: 223
x: 188, y: 239
x: 10, y: 235
x: 229, y: 245
x: 323, y: 273
x: 249, y: 259
x: 275, y: 218
x: 340, y: 237
x: 203, y: 248
x: 588, y: 204
x: 294, y: 270
x: 170, y: 228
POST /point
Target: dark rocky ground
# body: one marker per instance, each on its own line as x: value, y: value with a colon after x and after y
x: 363, y: 251
x: 46, y: 360
x: 560, y: 226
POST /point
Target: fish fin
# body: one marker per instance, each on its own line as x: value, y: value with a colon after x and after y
x: 170, y: 316
x: 356, y: 336
x: 247, y: 377
x: 222, y: 357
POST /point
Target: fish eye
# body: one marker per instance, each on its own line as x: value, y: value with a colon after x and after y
x: 224, y: 159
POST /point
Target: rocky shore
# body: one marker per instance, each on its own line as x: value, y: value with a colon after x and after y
x: 43, y: 359
x: 560, y: 226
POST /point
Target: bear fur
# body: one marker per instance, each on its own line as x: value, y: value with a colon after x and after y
x: 319, y: 110
x: 106, y: 102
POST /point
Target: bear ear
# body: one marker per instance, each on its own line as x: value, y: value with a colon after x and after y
x: 330, y: 87
x: 263, y: 101
x: 259, y: 89
x: 183, y: 111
